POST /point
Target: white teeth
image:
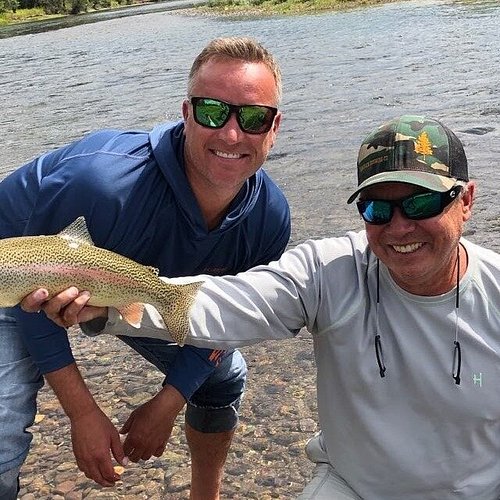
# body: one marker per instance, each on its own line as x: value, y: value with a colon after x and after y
x: 407, y: 248
x: 232, y: 156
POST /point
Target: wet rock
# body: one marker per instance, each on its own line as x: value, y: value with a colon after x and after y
x: 180, y: 480
x: 64, y: 488
x: 73, y: 495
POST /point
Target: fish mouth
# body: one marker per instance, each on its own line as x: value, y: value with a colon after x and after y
x: 408, y: 248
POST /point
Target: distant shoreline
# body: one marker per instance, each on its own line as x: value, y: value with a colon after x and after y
x: 217, y: 7
x: 292, y: 7
x: 33, y: 15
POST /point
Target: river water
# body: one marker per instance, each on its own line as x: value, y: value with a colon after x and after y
x: 344, y: 73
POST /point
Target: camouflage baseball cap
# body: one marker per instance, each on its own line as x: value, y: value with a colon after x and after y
x: 414, y: 150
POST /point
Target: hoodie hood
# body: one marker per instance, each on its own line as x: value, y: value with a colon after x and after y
x: 167, y: 143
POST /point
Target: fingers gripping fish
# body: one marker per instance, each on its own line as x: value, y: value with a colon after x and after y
x: 70, y: 258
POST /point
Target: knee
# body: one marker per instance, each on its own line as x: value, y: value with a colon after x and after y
x: 225, y: 385
x: 20, y: 383
x: 237, y: 373
x: 214, y: 407
x: 232, y: 378
x: 315, y: 449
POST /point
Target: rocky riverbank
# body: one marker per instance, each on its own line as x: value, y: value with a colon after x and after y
x: 266, y: 460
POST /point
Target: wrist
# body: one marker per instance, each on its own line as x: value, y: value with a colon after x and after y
x: 171, y: 397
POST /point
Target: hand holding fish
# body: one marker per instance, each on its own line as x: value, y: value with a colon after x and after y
x: 66, y: 309
x: 70, y: 259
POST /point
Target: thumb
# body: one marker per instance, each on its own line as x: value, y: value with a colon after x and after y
x: 33, y: 302
x: 117, y: 450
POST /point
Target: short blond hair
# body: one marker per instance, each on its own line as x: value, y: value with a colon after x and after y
x: 241, y: 48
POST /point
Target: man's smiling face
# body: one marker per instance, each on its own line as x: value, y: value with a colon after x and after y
x: 222, y: 159
x: 420, y: 254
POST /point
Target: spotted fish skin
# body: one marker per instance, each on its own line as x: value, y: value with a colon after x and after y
x: 71, y: 259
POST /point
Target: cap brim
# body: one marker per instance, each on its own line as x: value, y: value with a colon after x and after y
x: 433, y: 182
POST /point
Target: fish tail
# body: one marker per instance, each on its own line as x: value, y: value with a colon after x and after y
x: 176, y: 314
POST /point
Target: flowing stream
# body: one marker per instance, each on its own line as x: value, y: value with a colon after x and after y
x: 344, y: 73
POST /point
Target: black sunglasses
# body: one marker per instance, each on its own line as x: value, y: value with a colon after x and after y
x: 415, y: 207
x: 252, y: 118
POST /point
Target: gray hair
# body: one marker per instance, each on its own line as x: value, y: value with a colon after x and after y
x: 240, y: 48
x: 465, y: 187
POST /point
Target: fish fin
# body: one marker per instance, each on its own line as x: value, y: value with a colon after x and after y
x: 132, y: 313
x: 77, y: 231
x: 176, y: 314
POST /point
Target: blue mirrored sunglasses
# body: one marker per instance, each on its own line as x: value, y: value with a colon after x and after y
x: 415, y: 207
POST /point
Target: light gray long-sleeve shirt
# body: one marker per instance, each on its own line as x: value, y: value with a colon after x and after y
x: 412, y: 435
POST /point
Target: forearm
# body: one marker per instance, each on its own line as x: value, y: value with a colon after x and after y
x: 111, y: 322
x: 228, y: 313
x: 267, y: 303
x: 72, y: 392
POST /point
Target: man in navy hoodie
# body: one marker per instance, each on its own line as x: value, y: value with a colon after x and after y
x: 186, y: 198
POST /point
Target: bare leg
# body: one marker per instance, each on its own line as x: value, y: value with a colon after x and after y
x: 208, y: 455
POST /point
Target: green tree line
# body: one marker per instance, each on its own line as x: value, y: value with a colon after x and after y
x: 60, y: 6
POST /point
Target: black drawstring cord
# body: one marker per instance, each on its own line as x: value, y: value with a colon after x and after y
x: 380, y: 356
x: 457, y: 352
x: 378, y: 342
x: 457, y: 362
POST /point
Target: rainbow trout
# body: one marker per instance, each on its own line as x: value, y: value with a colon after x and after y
x: 70, y: 258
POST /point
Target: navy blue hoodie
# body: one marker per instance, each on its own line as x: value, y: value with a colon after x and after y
x: 133, y: 192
